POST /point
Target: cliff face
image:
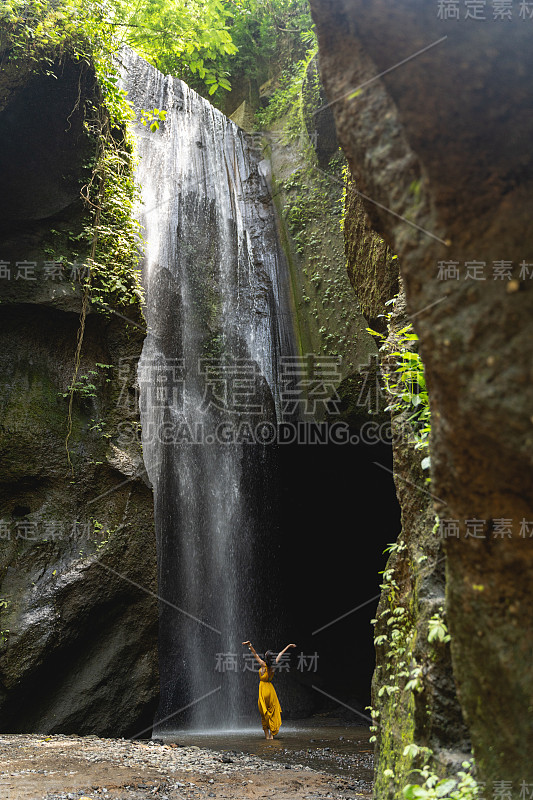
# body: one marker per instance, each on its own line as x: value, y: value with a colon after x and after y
x: 442, y: 142
x: 372, y: 267
x: 77, y: 547
x: 307, y: 184
x: 428, y: 714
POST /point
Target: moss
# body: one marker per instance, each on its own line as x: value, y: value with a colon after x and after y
x: 419, y: 670
x: 326, y: 309
x: 307, y: 192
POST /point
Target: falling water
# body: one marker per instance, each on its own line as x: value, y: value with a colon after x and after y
x: 218, y: 326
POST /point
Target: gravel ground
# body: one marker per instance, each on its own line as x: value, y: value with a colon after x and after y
x: 37, y: 767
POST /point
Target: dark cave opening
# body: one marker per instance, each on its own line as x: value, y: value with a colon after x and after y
x: 42, y: 126
x: 338, y: 513
x: 319, y: 517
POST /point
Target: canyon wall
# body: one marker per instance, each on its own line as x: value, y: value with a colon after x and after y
x: 434, y: 114
x: 78, y: 649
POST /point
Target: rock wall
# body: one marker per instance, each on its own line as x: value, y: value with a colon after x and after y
x: 441, y: 145
x: 307, y: 184
x: 372, y: 267
x: 428, y: 715
x: 77, y: 546
x: 414, y: 698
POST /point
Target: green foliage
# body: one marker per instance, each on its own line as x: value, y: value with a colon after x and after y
x: 288, y: 95
x: 405, y: 382
x: 344, y: 206
x: 462, y: 787
x: 4, y: 633
x: 413, y: 750
x: 86, y: 386
x: 266, y: 32
x: 113, y: 233
x: 310, y: 204
x: 102, y: 533
x: 187, y: 38
x: 83, y: 387
x: 396, y: 624
x: 45, y: 33
x: 203, y: 42
x: 307, y: 200
x: 153, y: 118
x: 287, y: 101
x: 437, y: 629
x: 206, y: 42
x: 414, y: 684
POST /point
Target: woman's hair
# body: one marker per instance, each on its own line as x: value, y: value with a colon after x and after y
x: 269, y: 659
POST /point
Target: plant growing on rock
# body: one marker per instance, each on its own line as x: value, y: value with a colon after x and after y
x: 437, y: 629
x: 405, y: 382
x: 4, y: 633
x: 462, y: 787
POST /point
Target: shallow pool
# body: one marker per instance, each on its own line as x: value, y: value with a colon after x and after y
x: 328, y: 745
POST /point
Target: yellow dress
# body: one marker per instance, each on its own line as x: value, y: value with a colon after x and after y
x: 268, y: 703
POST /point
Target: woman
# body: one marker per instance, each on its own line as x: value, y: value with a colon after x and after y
x: 268, y: 702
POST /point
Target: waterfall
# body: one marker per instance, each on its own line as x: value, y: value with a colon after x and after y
x: 219, y: 325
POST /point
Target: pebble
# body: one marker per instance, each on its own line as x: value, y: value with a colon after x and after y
x: 177, y: 759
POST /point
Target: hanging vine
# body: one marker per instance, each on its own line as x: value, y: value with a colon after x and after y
x: 97, y: 179
x: 111, y: 278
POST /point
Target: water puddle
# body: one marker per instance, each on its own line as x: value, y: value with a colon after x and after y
x: 326, y: 745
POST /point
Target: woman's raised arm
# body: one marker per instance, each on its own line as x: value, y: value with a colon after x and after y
x: 260, y: 660
x: 283, y: 651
